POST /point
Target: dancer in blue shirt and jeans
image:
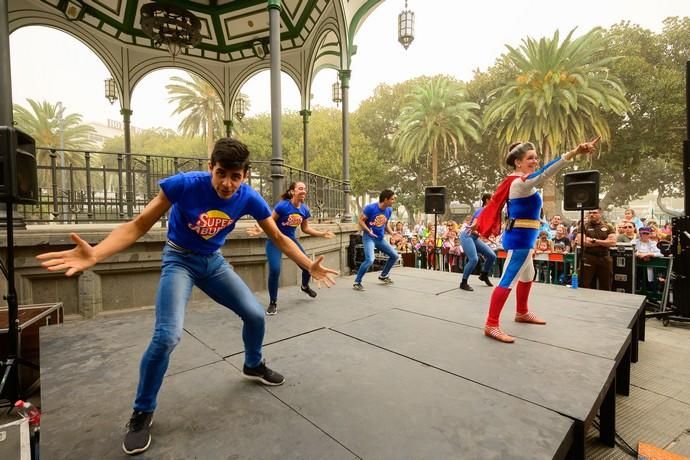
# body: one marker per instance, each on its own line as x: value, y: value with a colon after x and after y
x: 290, y: 213
x: 374, y: 224
x: 204, y: 208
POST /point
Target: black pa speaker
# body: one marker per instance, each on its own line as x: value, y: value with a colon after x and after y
x: 435, y: 200
x: 18, y: 175
x: 581, y: 190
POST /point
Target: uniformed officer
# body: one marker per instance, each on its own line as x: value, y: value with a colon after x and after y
x: 597, y: 263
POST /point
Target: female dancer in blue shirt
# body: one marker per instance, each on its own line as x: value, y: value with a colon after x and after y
x: 289, y: 213
x: 473, y: 244
x: 519, y: 191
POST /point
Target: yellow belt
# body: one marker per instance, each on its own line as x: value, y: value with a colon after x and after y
x: 527, y: 223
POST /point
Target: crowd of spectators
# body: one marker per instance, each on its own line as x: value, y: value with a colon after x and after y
x: 439, y: 248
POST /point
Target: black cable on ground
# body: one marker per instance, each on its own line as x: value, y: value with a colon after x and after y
x: 619, y: 441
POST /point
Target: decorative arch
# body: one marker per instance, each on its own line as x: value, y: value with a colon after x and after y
x: 142, y: 69
x: 322, y: 54
x: 35, y: 18
x: 248, y: 72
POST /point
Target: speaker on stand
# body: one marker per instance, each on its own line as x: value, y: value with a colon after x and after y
x: 19, y: 185
x: 581, y: 193
x: 435, y: 203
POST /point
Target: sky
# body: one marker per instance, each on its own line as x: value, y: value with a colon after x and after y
x: 452, y: 37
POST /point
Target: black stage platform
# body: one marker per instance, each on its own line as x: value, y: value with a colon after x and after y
x: 399, y: 371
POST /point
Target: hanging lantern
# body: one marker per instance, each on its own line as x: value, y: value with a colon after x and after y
x: 337, y: 93
x: 406, y: 27
x: 240, y: 107
x: 110, y: 90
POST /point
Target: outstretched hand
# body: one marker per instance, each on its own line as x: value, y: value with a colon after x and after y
x: 329, y: 234
x: 74, y: 260
x: 322, y: 274
x: 255, y: 230
x: 588, y: 147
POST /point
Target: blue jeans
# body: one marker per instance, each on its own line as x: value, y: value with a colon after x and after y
x: 274, y: 259
x: 213, y: 275
x: 471, y: 244
x: 382, y: 245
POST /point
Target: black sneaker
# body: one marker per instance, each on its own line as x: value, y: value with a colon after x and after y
x: 138, y: 438
x: 358, y: 287
x: 466, y: 287
x: 263, y: 374
x: 309, y: 291
x: 386, y: 279
x: 272, y: 308
x: 484, y: 276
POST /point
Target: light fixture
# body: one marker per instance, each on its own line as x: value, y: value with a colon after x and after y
x: 406, y: 27
x: 259, y: 50
x: 240, y: 107
x: 337, y: 93
x: 170, y: 25
x: 110, y: 91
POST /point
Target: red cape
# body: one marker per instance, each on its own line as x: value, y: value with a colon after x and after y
x: 489, y: 221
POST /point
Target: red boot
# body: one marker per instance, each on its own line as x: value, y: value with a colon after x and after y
x: 523, y: 314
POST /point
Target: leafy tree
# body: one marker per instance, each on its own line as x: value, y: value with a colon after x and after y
x: 436, y: 120
x: 202, y: 107
x: 646, y: 152
x: 558, y: 96
x: 159, y: 141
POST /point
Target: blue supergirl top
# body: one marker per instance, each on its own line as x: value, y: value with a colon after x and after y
x: 290, y: 217
x: 200, y: 219
x: 376, y: 219
x: 524, y: 202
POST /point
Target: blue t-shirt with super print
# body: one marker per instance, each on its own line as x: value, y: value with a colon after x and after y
x: 376, y: 218
x: 200, y: 219
x: 290, y: 217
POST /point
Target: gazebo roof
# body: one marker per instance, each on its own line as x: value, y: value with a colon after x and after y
x: 229, y: 28
x: 315, y: 34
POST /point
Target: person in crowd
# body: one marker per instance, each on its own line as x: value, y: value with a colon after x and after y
x: 597, y: 264
x: 555, y: 221
x: 628, y: 232
x: 204, y: 208
x: 290, y: 213
x: 629, y: 216
x: 472, y: 245
x: 524, y: 207
x: 543, y: 244
x: 645, y: 247
x: 561, y: 242
x: 374, y: 224
x: 645, y: 250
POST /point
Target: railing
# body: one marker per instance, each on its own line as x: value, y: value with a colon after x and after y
x: 77, y: 186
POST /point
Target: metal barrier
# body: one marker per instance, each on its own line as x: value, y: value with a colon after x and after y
x: 79, y: 186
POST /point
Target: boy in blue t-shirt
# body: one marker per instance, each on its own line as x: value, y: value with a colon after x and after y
x: 374, y: 223
x: 204, y: 208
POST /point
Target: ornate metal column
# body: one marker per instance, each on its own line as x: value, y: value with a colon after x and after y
x: 228, y: 128
x: 5, y: 73
x: 277, y: 174
x: 129, y: 190
x: 345, y: 85
x: 305, y: 134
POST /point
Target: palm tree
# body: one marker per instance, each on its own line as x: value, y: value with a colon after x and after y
x: 436, y: 117
x: 202, y: 107
x: 51, y: 127
x: 558, y: 97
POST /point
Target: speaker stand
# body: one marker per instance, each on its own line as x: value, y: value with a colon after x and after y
x: 10, y: 390
x: 578, y: 262
x: 17, y: 220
